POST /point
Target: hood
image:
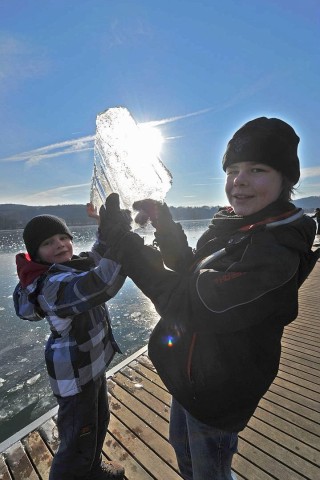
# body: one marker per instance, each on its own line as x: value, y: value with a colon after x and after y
x: 29, y: 270
x: 299, y: 235
x: 296, y: 233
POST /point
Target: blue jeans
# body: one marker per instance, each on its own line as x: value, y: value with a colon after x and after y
x: 203, y: 452
x: 82, y: 425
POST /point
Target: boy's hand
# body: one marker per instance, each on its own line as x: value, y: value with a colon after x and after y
x: 158, y: 213
x: 113, y: 219
x: 92, y: 211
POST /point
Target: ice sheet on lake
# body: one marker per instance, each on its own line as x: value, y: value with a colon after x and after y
x: 124, y: 162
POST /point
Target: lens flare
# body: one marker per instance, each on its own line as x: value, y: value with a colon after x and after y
x: 170, y: 342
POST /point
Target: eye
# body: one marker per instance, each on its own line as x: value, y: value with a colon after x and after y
x: 45, y: 243
x: 259, y: 168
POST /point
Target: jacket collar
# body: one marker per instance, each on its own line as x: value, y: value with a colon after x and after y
x: 28, y: 270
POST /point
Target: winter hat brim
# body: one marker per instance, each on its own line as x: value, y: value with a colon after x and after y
x: 266, y: 140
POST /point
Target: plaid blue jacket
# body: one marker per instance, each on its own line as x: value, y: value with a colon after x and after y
x: 81, y: 344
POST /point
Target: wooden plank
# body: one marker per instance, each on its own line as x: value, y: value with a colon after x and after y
x: 122, y: 396
x: 39, y: 452
x: 302, y: 338
x: 295, y: 392
x: 289, y: 421
x: 114, y: 450
x: 145, y: 372
x: 265, y: 455
x: 4, y: 472
x: 19, y: 463
x: 145, y: 360
x: 288, y: 403
x: 298, y: 346
x: 307, y: 387
x: 303, y: 372
x: 138, y: 381
x: 303, y: 362
x: 243, y: 466
x: 145, y: 456
x: 308, y: 459
x: 303, y: 352
x: 144, y: 396
x: 304, y: 322
x: 49, y: 433
x: 147, y: 434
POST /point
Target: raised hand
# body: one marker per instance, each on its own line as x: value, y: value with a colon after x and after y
x: 112, y: 217
x: 157, y: 212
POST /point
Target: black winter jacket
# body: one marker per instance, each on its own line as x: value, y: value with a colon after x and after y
x: 223, y: 309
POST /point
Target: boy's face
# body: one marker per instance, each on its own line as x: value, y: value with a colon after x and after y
x: 251, y: 186
x: 56, y: 249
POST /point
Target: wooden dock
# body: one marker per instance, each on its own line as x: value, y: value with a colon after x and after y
x: 282, y: 440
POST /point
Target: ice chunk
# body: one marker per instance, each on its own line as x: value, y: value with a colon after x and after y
x: 33, y: 380
x: 14, y: 389
x: 125, y: 161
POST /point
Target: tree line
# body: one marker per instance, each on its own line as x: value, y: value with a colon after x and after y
x: 13, y: 216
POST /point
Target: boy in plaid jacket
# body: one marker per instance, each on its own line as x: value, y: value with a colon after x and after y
x: 70, y: 292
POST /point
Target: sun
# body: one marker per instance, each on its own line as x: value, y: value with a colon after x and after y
x: 150, y: 139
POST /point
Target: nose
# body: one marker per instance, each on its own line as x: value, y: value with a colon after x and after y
x: 241, y: 178
x: 60, y: 242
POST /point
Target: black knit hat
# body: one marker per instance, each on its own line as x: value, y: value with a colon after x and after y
x: 40, y: 228
x: 266, y: 140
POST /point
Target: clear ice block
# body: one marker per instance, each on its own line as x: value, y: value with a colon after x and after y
x: 124, y: 161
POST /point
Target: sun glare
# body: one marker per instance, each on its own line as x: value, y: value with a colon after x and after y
x: 151, y: 139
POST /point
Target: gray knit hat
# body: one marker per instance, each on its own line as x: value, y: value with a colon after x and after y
x: 41, y: 227
x: 266, y: 140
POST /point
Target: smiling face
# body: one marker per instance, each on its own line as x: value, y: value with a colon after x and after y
x: 56, y: 249
x: 251, y: 186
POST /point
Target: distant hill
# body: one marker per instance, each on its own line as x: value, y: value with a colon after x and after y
x: 13, y: 216
x: 308, y: 203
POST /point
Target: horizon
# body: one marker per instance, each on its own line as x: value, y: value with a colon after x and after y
x: 173, y: 206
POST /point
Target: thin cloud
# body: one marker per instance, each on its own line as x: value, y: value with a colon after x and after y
x: 54, y: 193
x: 173, y: 138
x: 67, y: 147
x: 245, y: 93
x: 202, y: 184
x: 156, y: 123
x: 310, y: 172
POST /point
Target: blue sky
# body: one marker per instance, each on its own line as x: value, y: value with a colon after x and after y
x: 201, y: 68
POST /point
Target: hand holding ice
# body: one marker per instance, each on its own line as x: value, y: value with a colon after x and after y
x: 125, y: 161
